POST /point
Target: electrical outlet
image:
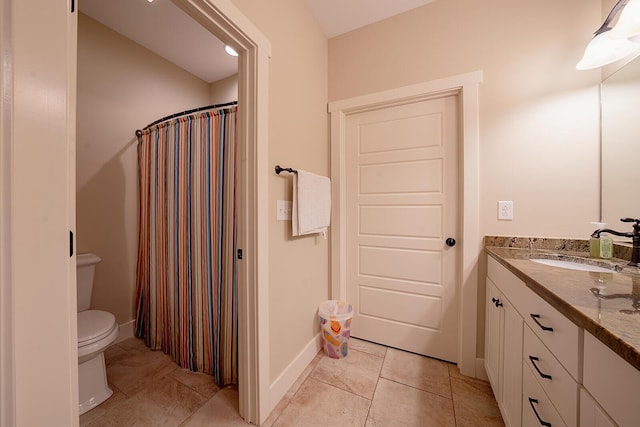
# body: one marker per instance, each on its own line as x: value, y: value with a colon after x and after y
x: 505, y: 210
x: 283, y: 210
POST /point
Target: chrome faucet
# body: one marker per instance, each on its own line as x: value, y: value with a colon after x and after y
x: 635, y: 235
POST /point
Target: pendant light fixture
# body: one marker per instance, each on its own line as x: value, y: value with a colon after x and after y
x: 611, y: 44
x: 628, y: 24
x: 603, y: 50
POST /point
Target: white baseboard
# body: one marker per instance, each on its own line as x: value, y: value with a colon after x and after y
x: 283, y: 383
x: 480, y: 370
x: 126, y: 331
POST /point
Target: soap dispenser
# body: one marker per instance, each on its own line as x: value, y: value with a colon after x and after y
x: 595, y: 243
x: 606, y: 247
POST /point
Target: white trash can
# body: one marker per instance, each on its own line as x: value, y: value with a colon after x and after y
x: 335, y: 324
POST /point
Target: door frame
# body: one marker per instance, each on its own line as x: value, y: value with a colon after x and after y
x: 466, y: 87
x: 7, y: 380
x: 223, y: 19
x: 37, y: 213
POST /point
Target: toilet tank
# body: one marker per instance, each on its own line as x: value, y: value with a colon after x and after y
x: 85, y: 267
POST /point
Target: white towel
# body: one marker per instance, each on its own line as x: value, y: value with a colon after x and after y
x: 311, y: 210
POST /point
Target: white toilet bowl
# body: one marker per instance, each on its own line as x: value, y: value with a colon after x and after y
x: 96, y: 330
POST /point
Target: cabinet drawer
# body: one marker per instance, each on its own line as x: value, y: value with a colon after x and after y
x: 559, y: 334
x: 537, y: 409
x: 558, y: 385
x: 511, y: 287
x: 613, y: 382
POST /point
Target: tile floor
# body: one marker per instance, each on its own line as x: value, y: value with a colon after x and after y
x: 374, y: 386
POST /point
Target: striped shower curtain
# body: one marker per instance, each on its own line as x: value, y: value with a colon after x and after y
x: 186, y: 296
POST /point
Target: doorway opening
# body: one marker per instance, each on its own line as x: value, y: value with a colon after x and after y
x: 224, y: 21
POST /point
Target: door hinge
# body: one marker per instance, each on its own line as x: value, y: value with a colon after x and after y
x: 239, y: 253
x: 70, y: 243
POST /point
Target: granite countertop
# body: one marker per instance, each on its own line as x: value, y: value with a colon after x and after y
x: 601, y: 303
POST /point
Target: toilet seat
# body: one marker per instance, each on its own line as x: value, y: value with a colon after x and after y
x: 93, y: 325
x: 96, y: 330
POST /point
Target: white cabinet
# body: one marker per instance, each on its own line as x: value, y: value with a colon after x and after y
x: 551, y: 353
x: 538, y: 410
x: 503, y: 349
x: 511, y: 380
x: 592, y: 414
x: 559, y: 334
x: 545, y: 370
x: 553, y: 378
x: 528, y: 340
x: 613, y: 383
x: 492, y: 334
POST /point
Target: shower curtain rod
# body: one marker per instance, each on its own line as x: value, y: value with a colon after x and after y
x: 184, y: 113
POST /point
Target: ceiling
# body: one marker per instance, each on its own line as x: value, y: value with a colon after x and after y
x: 341, y: 16
x: 165, y: 29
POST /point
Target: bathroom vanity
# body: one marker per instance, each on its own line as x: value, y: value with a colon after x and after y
x: 562, y: 346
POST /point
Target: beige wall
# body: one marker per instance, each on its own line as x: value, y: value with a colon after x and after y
x: 539, y: 131
x: 298, y: 138
x: 538, y: 114
x: 121, y: 87
x: 225, y: 90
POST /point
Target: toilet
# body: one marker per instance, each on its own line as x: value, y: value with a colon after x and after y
x: 96, y: 331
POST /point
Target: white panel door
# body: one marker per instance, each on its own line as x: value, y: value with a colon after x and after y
x: 402, y: 194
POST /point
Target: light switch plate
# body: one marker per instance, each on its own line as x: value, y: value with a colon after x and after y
x: 505, y: 210
x: 283, y: 210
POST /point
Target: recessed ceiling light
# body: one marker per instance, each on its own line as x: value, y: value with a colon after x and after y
x: 231, y: 51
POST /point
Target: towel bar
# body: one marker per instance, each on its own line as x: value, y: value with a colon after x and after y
x: 279, y: 169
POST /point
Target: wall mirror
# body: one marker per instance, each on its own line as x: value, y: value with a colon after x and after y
x: 620, y: 139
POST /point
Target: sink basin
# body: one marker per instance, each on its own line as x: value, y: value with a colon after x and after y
x: 571, y: 265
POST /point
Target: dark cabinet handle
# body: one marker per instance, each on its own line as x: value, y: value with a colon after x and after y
x: 531, y: 402
x: 451, y: 242
x: 496, y: 302
x: 533, y: 362
x: 535, y: 318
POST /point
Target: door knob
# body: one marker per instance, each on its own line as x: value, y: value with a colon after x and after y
x: 451, y: 242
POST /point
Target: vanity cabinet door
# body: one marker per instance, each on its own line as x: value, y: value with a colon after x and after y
x: 503, y: 343
x: 592, y: 414
x: 493, y: 315
x: 511, y: 380
x: 613, y: 383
